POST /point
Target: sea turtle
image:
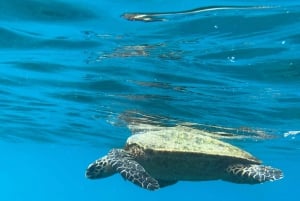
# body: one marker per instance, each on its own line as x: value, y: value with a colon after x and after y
x: 160, y: 156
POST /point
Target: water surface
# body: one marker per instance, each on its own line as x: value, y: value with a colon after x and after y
x: 69, y: 69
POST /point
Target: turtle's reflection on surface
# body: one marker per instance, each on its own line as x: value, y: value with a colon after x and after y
x: 165, y: 16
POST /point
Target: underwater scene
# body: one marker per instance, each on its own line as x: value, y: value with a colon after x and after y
x: 149, y: 100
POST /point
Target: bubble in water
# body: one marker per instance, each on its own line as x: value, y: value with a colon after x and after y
x: 231, y: 59
x: 291, y: 133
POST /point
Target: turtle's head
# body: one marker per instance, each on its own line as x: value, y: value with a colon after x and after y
x: 99, y: 169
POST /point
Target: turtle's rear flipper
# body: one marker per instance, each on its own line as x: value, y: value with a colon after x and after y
x: 131, y: 170
x: 164, y: 183
x: 252, y: 174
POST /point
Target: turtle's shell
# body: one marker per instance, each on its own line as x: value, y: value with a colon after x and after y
x: 184, y: 140
x: 183, y: 153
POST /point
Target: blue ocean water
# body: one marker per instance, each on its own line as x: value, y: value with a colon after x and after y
x: 70, y: 69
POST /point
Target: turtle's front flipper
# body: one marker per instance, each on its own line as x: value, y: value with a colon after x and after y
x: 252, y: 173
x: 131, y: 170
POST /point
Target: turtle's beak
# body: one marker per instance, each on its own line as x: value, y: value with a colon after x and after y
x: 99, y: 169
x: 91, y: 171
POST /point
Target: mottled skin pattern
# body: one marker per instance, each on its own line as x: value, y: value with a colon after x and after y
x: 253, y: 174
x: 160, y: 158
x: 118, y: 160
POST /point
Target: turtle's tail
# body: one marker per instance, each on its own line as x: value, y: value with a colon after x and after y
x: 252, y: 173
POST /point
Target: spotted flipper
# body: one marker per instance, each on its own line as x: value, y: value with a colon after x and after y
x: 252, y: 174
x: 131, y: 170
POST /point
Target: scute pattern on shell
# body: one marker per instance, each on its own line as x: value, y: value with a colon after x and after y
x: 185, y: 140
